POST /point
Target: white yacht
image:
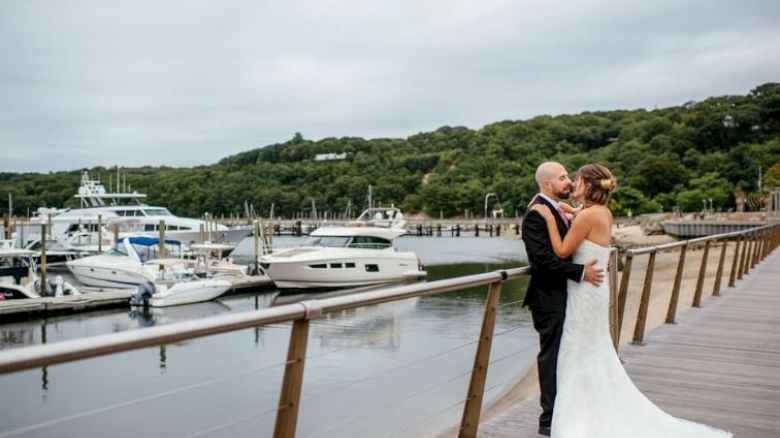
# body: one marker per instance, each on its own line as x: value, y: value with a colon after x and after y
x: 128, y: 263
x: 360, y: 253
x: 126, y: 210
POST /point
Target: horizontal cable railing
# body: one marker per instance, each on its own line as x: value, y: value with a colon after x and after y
x: 751, y: 246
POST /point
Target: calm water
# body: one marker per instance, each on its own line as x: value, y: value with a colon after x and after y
x: 397, y: 369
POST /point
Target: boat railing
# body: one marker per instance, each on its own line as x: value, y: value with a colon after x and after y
x: 761, y: 240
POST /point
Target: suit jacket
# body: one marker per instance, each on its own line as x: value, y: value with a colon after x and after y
x: 549, y: 273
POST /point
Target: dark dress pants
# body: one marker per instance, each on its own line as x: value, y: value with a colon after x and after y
x: 549, y: 325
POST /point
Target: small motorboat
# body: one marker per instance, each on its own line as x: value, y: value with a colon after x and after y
x: 178, y: 287
x: 19, y: 278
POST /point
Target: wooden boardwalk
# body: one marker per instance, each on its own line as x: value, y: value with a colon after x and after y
x: 720, y: 364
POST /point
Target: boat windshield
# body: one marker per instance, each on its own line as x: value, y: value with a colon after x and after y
x: 329, y: 241
x: 157, y: 212
x: 117, y: 250
x: 370, y: 242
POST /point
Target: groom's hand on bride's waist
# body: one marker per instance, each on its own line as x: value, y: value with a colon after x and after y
x: 593, y: 274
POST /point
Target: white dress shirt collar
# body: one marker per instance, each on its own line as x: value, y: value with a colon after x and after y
x: 555, y: 204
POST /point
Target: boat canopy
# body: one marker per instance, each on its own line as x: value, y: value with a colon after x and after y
x: 147, y: 241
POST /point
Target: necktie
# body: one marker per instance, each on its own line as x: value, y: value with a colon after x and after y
x: 563, y: 216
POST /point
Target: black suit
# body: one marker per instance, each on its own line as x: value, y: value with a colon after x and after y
x: 546, y: 296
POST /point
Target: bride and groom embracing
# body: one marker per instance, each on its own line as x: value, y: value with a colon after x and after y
x: 580, y: 374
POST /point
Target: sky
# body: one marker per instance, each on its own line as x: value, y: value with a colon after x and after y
x: 182, y: 83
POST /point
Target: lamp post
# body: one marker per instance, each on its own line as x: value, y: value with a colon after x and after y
x: 486, y: 202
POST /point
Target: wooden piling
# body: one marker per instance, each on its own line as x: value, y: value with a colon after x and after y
x: 100, y: 233
x: 161, y: 230
x: 43, y: 290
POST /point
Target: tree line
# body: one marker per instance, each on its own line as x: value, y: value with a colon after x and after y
x: 663, y: 159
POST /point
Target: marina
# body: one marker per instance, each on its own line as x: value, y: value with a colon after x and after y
x: 352, y: 352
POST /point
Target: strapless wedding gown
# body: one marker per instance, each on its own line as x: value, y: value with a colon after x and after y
x: 596, y: 397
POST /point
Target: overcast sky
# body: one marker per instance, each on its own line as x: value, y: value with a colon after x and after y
x: 181, y: 83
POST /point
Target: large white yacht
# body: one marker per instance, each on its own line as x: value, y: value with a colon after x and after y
x: 360, y: 253
x: 125, y: 209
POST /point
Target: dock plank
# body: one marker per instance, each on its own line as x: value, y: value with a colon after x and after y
x: 719, y: 365
x: 12, y: 309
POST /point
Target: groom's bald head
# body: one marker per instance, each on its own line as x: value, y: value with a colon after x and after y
x: 553, y: 180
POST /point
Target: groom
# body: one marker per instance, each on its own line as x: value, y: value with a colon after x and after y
x: 546, y: 295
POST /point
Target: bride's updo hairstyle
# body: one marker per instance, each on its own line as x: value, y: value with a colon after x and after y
x: 599, y: 183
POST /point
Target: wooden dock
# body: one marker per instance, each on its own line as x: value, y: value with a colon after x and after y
x: 27, y: 308
x: 719, y: 365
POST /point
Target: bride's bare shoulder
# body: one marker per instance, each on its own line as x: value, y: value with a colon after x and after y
x: 595, y: 213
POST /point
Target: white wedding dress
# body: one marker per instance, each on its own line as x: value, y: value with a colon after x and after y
x: 595, y: 397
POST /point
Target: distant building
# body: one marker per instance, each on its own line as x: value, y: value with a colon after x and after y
x: 330, y: 157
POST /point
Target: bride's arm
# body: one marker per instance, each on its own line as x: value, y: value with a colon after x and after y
x: 577, y: 233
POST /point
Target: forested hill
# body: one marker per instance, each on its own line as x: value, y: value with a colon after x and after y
x: 662, y: 158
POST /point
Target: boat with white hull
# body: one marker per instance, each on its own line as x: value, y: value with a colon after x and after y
x: 358, y: 254
x: 19, y: 278
x: 126, y: 265
x: 124, y: 210
x: 179, y: 288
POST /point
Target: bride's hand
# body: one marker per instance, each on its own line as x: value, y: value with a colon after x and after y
x: 544, y: 211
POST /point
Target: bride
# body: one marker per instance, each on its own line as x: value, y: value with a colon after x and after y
x: 596, y: 398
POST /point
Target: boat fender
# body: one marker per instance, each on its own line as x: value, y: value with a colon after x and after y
x: 143, y: 294
x: 57, y: 287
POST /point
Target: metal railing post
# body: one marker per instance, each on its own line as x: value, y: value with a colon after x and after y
x: 473, y: 407
x: 671, y: 313
x: 719, y: 274
x: 644, y: 304
x: 702, y: 273
x: 623, y: 292
x: 734, y: 263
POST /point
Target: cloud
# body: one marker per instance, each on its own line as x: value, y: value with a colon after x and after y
x: 85, y: 83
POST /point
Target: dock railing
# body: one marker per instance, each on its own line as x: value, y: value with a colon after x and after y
x: 750, y: 247
x: 755, y: 244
